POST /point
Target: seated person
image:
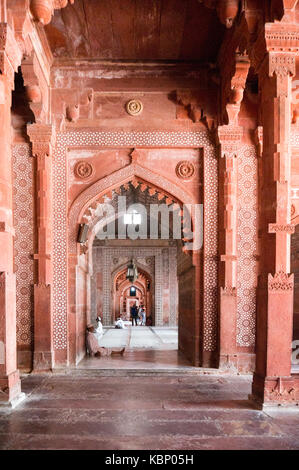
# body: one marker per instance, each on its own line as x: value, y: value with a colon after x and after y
x: 149, y: 321
x: 99, y: 329
x: 93, y: 346
x: 120, y: 324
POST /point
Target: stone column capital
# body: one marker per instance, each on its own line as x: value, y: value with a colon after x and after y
x: 42, y: 137
x: 229, y: 138
x: 280, y: 282
x: 275, y: 50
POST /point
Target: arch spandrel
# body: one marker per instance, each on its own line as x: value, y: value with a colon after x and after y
x: 115, y: 180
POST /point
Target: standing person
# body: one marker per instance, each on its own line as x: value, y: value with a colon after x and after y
x: 134, y: 314
x: 140, y: 314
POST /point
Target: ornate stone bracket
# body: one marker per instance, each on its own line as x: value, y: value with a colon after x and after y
x: 42, y: 10
x: 10, y: 53
x: 196, y: 108
x: 233, y: 81
x: 227, y: 10
x: 34, y: 80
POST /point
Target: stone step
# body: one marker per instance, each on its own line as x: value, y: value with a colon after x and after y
x: 141, y: 372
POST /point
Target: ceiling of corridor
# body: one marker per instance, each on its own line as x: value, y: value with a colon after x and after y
x: 149, y: 30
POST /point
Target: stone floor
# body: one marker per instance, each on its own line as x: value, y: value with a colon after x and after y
x: 138, y: 360
x: 150, y: 412
x: 141, y: 337
x: 147, y: 348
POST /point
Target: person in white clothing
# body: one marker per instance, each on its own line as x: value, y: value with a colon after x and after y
x: 120, y: 324
x: 94, y: 349
x: 98, y: 332
x: 143, y: 316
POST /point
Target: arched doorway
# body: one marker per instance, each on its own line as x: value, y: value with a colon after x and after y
x: 125, y: 293
x: 174, y: 271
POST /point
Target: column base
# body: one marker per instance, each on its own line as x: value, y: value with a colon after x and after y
x: 14, y: 402
x: 275, y: 391
x: 42, y: 361
x: 60, y: 359
x: 10, y: 390
x: 209, y: 359
x: 24, y: 360
x: 243, y: 363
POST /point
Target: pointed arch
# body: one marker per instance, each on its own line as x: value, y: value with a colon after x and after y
x: 114, y: 181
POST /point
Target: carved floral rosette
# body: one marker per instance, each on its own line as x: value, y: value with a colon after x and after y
x: 83, y: 170
x: 134, y: 107
x: 185, y: 170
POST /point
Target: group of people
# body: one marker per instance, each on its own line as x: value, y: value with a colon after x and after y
x: 138, y: 315
x: 94, y: 334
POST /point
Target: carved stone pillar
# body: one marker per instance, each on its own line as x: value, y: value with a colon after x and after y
x: 272, y: 381
x: 230, y: 137
x: 10, y: 385
x: 43, y: 139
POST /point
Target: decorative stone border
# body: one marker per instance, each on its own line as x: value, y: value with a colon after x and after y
x: 133, y: 139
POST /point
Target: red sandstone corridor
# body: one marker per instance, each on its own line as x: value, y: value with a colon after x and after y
x: 149, y: 171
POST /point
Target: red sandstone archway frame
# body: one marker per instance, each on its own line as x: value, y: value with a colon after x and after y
x: 77, y: 210
x: 119, y: 178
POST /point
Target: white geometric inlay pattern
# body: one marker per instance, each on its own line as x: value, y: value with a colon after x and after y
x: 130, y: 139
x: 23, y: 210
x: 247, y: 245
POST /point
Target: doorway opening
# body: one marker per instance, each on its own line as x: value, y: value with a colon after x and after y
x: 114, y: 242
